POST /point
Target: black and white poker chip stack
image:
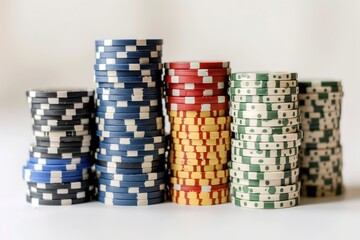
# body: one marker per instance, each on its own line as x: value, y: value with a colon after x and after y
x: 58, y: 171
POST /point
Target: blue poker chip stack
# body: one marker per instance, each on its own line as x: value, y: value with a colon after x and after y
x: 59, y: 168
x: 130, y: 123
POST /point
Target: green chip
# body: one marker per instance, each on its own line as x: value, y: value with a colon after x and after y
x: 262, y: 167
x: 264, y: 84
x: 266, y: 122
x: 265, y: 183
x: 269, y: 137
x: 265, y: 98
x: 264, y: 153
x: 265, y: 76
x: 264, y: 130
x: 264, y: 175
x: 265, y: 205
x: 263, y: 91
x: 265, y: 145
x: 262, y: 160
x: 266, y: 190
x: 264, y: 106
x: 265, y: 197
x: 265, y: 114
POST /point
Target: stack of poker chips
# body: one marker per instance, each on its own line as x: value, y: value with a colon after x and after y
x: 320, y: 153
x: 58, y: 171
x: 264, y: 170
x: 130, y: 122
x: 197, y: 105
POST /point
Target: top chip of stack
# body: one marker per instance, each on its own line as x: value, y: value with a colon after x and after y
x: 321, y: 152
x: 58, y: 171
x: 264, y: 149
x: 130, y: 122
x: 197, y: 104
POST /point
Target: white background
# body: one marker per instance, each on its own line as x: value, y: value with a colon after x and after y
x: 51, y: 44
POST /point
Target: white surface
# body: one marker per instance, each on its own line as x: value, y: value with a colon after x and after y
x: 51, y: 44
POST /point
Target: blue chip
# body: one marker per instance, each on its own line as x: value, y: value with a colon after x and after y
x: 129, y: 79
x: 130, y: 91
x: 127, y: 147
x: 127, y: 171
x: 128, y: 48
x: 131, y: 196
x: 134, y: 141
x: 60, y: 167
x: 129, y: 115
x: 134, y: 180
x: 54, y: 174
x: 130, y: 122
x: 131, y: 189
x: 134, y: 42
x: 128, y: 60
x: 117, y: 202
x: 57, y: 161
x: 136, y: 109
x: 126, y: 128
x: 56, y: 180
x: 131, y: 153
x: 128, y: 67
x: 138, y: 54
x: 139, y: 134
x: 140, y: 159
x: 57, y: 186
x: 152, y: 103
x: 157, y: 84
x: 104, y: 73
x: 130, y: 165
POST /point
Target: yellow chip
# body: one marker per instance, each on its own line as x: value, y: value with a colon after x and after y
x: 200, y: 142
x: 207, y: 155
x: 197, y: 162
x: 199, y: 182
x: 200, y: 195
x: 200, y: 128
x: 200, y: 175
x: 200, y: 149
x: 200, y: 202
x: 200, y: 135
x: 195, y: 114
x: 189, y: 168
x: 201, y: 120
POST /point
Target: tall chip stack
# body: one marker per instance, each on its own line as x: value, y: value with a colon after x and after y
x: 197, y: 105
x: 264, y: 170
x: 130, y: 123
x: 58, y: 171
x: 320, y: 153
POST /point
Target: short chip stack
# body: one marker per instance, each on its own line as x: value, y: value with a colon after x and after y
x: 58, y: 171
x: 197, y: 104
x: 264, y: 169
x: 130, y: 122
x: 321, y: 155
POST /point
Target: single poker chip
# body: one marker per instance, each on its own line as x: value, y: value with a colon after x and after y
x: 126, y: 171
x: 131, y: 178
x: 200, y: 121
x: 321, y: 96
x: 60, y: 167
x: 138, y: 54
x: 199, y: 182
x: 263, y: 160
x: 193, y: 86
x: 197, y: 100
x: 264, y: 76
x: 266, y: 190
x: 151, y: 103
x: 146, y: 158
x: 198, y: 72
x: 264, y: 175
x: 195, y: 93
x: 265, y: 145
x: 319, y: 103
x: 138, y: 134
x: 263, y: 91
x: 129, y: 85
x: 263, y: 84
x: 136, y: 109
x: 189, y: 168
x: 320, y: 109
x: 265, y: 98
x: 128, y: 147
x: 56, y: 180
x: 320, y: 86
x: 264, y: 130
x: 127, y: 91
x: 265, y: 205
x: 269, y: 138
x: 134, y: 42
x: 324, y: 136
x: 200, y: 142
x: 128, y: 184
x: 123, y: 202
x: 54, y: 196
x: 38, y: 201
x: 60, y: 100
x: 131, y: 153
x: 131, y: 196
x: 54, y: 93
x: 128, y: 79
x: 129, y: 165
x: 62, y: 191
x: 266, y: 122
x: 129, y: 128
x: 48, y: 144
x: 318, y: 162
x: 263, y: 106
x: 320, y: 152
x: 62, y: 112
x: 57, y: 139
x: 198, y: 114
x: 76, y: 128
x: 47, y: 106
x: 265, y: 183
x: 265, y: 114
x: 262, y: 167
x: 192, y: 155
x: 200, y: 128
x: 135, y: 98
x: 128, y: 67
x: 116, y: 116
x: 60, y: 161
x: 266, y: 197
x: 200, y: 175
x: 321, y: 115
x: 61, y: 186
x: 160, y: 187
x: 263, y: 153
x: 62, y: 117
x: 128, y: 48
x: 200, y: 195
x: 197, y: 107
x: 320, y: 89
x: 196, y: 65
x: 195, y: 79
x: 130, y: 122
x: 198, y: 189
x: 314, y: 191
x: 59, y: 123
x: 58, y: 134
x: 200, y: 149
x: 201, y: 135
x: 58, y: 155
x: 198, y: 162
x: 144, y: 60
x: 119, y: 73
x: 320, y: 121
x: 134, y: 141
x: 200, y: 202
x: 325, y: 145
x: 34, y: 148
x: 28, y: 173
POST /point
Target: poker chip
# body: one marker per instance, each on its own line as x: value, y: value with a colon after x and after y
x: 266, y: 137
x: 198, y: 114
x: 320, y: 157
x: 195, y: 79
x: 197, y: 72
x: 195, y: 93
x: 59, y: 167
x: 196, y: 65
x: 129, y: 161
x: 193, y: 86
x: 198, y: 100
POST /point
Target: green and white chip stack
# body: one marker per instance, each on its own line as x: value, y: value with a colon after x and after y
x: 264, y: 170
x: 320, y: 155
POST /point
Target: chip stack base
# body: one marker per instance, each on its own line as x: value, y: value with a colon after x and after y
x: 321, y: 152
x: 130, y: 123
x: 264, y: 170
x: 197, y: 106
x: 58, y: 171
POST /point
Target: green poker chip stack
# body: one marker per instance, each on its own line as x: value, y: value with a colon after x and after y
x: 266, y: 136
x: 320, y: 155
